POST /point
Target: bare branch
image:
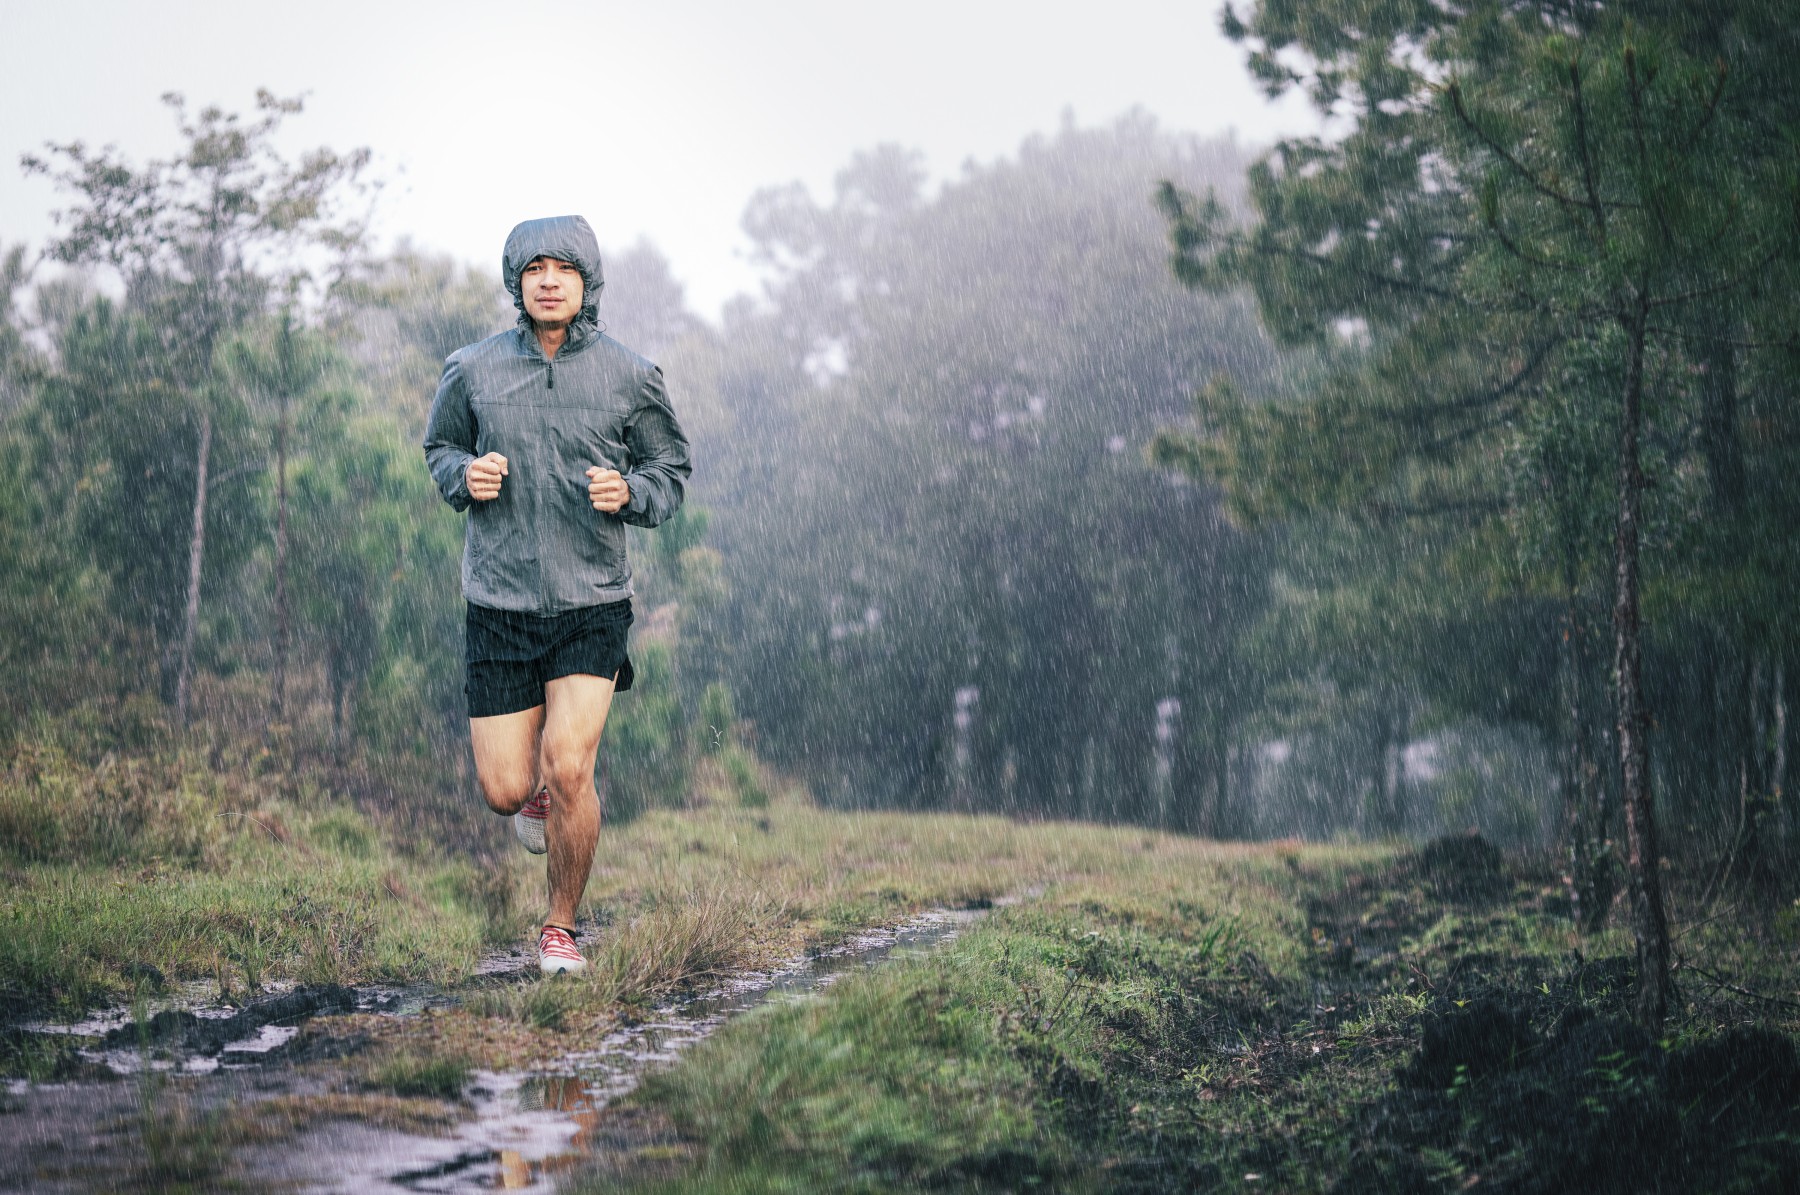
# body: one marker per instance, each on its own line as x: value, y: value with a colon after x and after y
x: 1506, y: 242
x: 1587, y: 154
x: 219, y: 479
x: 1463, y: 435
x: 1724, y: 985
x: 1712, y: 107
x: 1397, y: 511
x: 1792, y: 342
x: 1501, y: 152
x: 1634, y: 88
x: 1384, y: 280
x: 1483, y: 398
x: 1719, y: 288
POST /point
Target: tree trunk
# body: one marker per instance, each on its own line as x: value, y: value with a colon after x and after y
x: 1719, y: 438
x: 1580, y: 803
x: 1224, y: 824
x: 1755, y: 767
x: 1724, y: 751
x: 196, y: 557
x: 1648, y: 921
x: 278, y: 703
x: 1384, y: 770
x: 1601, y: 784
x: 1399, y: 733
x: 338, y: 681
x: 1778, y: 759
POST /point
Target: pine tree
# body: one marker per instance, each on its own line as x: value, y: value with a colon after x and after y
x: 1523, y: 186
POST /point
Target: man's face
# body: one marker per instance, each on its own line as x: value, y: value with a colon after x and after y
x: 552, y: 291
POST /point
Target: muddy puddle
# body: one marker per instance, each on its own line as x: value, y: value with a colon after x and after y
x: 518, y: 1129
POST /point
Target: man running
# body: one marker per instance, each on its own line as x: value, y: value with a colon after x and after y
x: 553, y: 436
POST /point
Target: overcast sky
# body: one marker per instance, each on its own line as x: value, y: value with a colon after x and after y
x: 655, y: 120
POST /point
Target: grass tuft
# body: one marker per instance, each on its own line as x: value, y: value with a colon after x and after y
x: 430, y: 1076
x: 677, y: 942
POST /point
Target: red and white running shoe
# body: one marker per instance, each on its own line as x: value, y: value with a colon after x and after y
x: 528, y: 822
x: 557, y: 951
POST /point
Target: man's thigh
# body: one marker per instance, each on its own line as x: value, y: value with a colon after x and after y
x: 506, y: 752
x: 575, y: 713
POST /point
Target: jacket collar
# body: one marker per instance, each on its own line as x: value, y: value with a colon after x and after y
x: 582, y: 333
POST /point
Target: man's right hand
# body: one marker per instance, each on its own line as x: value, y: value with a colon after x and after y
x: 484, y: 476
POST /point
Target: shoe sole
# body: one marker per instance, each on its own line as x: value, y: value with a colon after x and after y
x: 530, y: 830
x: 530, y: 833
x: 560, y: 967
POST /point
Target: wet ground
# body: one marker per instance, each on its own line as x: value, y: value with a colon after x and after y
x: 158, y: 1093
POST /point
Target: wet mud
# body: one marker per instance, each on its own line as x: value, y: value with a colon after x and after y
x: 248, y: 1097
x: 1529, y: 1077
x: 1592, y: 1105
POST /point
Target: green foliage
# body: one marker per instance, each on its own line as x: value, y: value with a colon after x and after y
x: 1528, y: 207
x: 717, y: 724
x: 121, y: 429
x: 742, y: 770
x: 646, y: 763
x: 196, y: 239
x: 56, y: 625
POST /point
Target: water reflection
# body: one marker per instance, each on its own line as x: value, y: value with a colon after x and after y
x: 598, y: 1077
x: 567, y: 1094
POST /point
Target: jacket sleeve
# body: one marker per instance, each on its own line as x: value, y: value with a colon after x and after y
x: 450, y: 437
x: 659, y: 456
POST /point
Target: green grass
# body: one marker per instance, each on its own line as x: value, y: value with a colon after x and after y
x: 901, y: 1078
x: 818, y: 876
x: 1229, y: 1022
x: 996, y: 1063
x: 1144, y: 1012
x: 429, y: 1076
x: 166, y: 865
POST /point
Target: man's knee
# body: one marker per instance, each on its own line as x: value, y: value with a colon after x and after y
x: 505, y: 794
x: 568, y: 773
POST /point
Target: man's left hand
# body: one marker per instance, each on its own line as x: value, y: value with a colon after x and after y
x: 607, y: 490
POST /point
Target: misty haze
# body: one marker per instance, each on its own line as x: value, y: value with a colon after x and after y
x: 1226, y: 629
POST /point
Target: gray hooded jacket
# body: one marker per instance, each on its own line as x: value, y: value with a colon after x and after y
x: 541, y: 547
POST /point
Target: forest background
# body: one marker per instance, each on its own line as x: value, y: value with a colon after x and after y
x: 960, y: 535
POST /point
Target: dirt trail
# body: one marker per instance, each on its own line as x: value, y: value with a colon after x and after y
x: 236, y: 1096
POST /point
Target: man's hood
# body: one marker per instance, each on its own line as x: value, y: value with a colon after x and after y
x: 566, y: 238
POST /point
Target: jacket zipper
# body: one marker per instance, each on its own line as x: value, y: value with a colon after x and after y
x: 552, y: 365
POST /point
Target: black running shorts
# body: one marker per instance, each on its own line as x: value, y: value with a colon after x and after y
x: 511, y: 656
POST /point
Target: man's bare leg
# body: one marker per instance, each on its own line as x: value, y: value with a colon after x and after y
x: 506, y: 757
x: 576, y: 709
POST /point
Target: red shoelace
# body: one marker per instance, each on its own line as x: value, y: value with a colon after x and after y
x: 556, y: 943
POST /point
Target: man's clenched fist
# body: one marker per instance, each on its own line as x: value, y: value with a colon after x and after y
x: 484, y: 476
x: 607, y: 490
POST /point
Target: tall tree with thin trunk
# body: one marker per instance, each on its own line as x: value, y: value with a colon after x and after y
x: 197, y: 239
x: 196, y: 557
x: 1540, y: 186
x: 284, y: 383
